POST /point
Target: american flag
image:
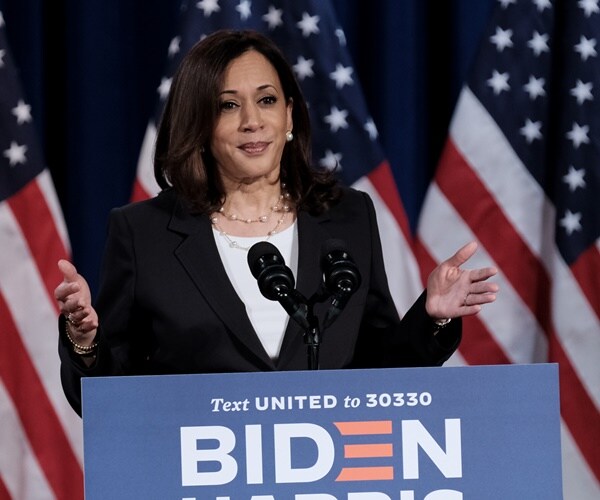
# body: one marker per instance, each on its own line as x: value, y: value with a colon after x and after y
x: 40, y: 435
x: 520, y: 173
x: 344, y: 135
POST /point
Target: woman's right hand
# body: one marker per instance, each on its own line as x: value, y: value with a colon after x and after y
x: 75, y: 303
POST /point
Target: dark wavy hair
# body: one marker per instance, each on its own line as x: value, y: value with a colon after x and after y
x: 182, y: 157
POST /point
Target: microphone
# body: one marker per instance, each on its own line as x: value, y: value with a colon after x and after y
x: 276, y: 281
x: 341, y: 277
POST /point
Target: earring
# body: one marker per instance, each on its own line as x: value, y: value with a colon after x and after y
x: 289, y: 137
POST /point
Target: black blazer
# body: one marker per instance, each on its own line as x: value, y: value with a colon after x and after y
x: 167, y: 306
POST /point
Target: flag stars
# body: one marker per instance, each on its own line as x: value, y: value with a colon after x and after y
x: 499, y: 82
x: 22, y: 111
x: 2, y: 52
x: 174, y: 46
x: 342, y: 76
x: 208, y: 7
x: 574, y: 178
x: 15, y: 153
x: 571, y: 222
x: 506, y: 3
x: 535, y: 87
x: 589, y: 7
x: 331, y: 161
x: 586, y: 48
x: 164, y: 88
x: 308, y: 25
x: 1, y: 20
x: 337, y: 119
x: 531, y: 130
x: 502, y: 39
x: 304, y: 68
x: 244, y: 8
x: 578, y: 135
x: 542, y: 4
x: 371, y: 129
x: 341, y: 36
x: 582, y: 92
x: 538, y: 43
x: 274, y: 17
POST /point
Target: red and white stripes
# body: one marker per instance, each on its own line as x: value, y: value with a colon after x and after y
x: 42, y: 432
x: 546, y: 311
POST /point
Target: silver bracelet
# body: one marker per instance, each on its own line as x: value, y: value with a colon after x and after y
x: 440, y: 324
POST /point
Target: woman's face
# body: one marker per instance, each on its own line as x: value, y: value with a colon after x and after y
x: 249, y: 134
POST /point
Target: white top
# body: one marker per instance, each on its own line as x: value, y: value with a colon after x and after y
x: 268, y: 317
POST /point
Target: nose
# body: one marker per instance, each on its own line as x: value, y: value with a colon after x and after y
x: 251, y: 119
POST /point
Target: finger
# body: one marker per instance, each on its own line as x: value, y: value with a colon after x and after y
x: 88, y: 324
x: 62, y: 291
x: 85, y: 329
x: 79, y: 315
x: 68, y: 270
x: 463, y: 254
x: 481, y: 299
x: 483, y: 287
x: 73, y: 305
x: 474, y: 299
x: 470, y: 310
x: 81, y: 330
x: 482, y: 274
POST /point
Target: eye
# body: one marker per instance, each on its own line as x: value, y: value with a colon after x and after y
x: 227, y: 105
x: 268, y: 100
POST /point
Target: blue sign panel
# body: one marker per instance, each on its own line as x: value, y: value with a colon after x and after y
x: 447, y: 433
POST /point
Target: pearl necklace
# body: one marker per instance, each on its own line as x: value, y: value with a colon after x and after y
x: 234, y: 244
x: 282, y: 206
x: 278, y: 207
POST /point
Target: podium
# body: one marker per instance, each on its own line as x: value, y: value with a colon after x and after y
x: 449, y: 433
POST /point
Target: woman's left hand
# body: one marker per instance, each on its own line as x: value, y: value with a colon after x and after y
x: 454, y: 292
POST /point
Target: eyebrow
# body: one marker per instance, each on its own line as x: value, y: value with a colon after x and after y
x: 259, y: 88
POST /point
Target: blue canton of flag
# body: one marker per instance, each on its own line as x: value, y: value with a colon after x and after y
x: 20, y: 160
x: 344, y: 136
x: 554, y: 123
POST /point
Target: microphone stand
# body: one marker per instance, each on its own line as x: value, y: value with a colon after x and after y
x: 312, y: 339
x: 301, y: 311
x: 312, y: 334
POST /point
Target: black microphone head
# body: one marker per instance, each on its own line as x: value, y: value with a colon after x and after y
x: 339, y: 270
x: 268, y: 267
x: 332, y: 245
x: 260, y: 253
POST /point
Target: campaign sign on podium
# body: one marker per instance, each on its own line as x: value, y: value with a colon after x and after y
x: 486, y: 432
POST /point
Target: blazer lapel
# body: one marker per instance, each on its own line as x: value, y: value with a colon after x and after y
x: 199, y: 256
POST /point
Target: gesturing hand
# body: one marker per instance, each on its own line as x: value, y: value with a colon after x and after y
x: 454, y: 292
x: 75, y: 302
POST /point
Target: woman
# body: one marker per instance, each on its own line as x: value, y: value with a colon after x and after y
x: 177, y: 295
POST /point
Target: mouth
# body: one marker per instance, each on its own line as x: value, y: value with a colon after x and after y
x: 253, y: 148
